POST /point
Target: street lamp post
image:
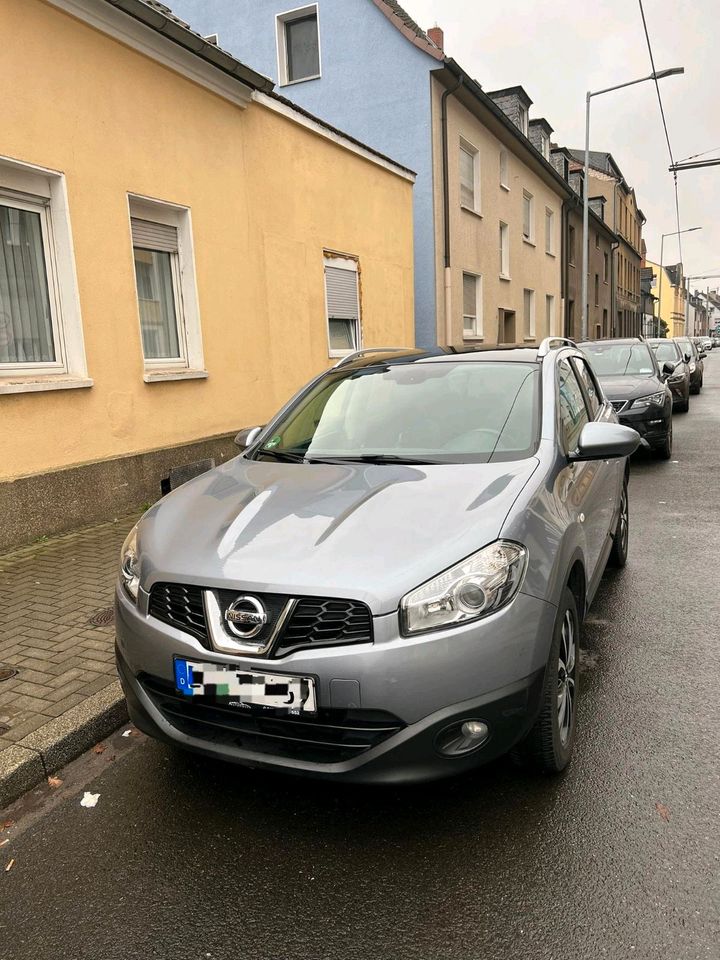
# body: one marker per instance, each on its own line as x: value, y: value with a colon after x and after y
x: 672, y: 233
x: 658, y: 75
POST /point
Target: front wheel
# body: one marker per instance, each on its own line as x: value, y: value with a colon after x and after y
x: 619, y: 552
x: 664, y: 450
x: 549, y: 745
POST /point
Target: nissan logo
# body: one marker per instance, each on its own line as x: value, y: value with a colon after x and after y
x: 246, y: 617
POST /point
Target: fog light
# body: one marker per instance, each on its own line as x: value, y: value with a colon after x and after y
x: 461, y: 738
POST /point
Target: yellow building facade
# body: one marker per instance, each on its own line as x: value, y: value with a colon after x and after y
x: 671, y: 303
x: 188, y: 224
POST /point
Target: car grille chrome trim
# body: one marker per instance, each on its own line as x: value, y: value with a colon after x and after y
x: 300, y: 623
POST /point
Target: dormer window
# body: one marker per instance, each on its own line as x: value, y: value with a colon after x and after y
x: 523, y: 119
x: 298, y: 41
x: 545, y: 145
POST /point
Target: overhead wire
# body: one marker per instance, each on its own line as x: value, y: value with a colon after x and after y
x: 664, y: 122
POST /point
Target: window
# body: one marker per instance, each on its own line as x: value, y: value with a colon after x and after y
x: 528, y: 217
x: 597, y: 240
x: 298, y: 41
x: 529, y: 314
x: 545, y: 145
x: 549, y: 231
x: 166, y: 293
x: 472, y: 306
x: 573, y: 412
x: 606, y: 265
x: 549, y: 315
x: 504, y: 181
x: 40, y: 324
x: 597, y: 290
x: 604, y: 331
x: 523, y: 120
x: 587, y: 379
x: 469, y: 177
x: 571, y: 246
x: 343, y: 305
x: 504, y: 251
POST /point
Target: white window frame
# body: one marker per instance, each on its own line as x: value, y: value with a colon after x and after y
x: 343, y: 261
x: 281, y: 21
x: 504, y: 251
x: 529, y: 330
x: 191, y: 363
x: 545, y: 145
x: 27, y: 186
x: 474, y: 153
x: 523, y: 117
x: 504, y: 169
x: 550, y: 314
x: 478, y: 332
x: 530, y: 236
x: 549, y: 231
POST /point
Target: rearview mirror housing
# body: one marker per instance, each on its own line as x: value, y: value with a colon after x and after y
x: 246, y: 437
x: 687, y: 357
x: 605, y: 441
x: 668, y: 368
x: 702, y: 355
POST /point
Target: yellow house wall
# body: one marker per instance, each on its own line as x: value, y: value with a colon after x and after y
x: 671, y: 305
x: 475, y: 240
x: 266, y: 195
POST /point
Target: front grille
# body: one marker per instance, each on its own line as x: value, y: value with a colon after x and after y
x: 329, y: 737
x: 313, y: 621
x: 181, y: 606
x: 324, y: 623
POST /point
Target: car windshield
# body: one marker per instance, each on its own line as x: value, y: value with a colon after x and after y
x: 666, y: 350
x: 685, y: 346
x: 442, y: 412
x: 620, y: 359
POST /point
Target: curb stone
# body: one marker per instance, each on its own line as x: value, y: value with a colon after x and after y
x: 27, y: 763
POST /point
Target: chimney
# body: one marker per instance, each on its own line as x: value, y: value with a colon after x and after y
x: 437, y: 36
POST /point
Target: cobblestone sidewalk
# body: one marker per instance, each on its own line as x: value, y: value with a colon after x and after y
x: 56, y: 626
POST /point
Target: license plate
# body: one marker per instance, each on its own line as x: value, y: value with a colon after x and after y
x: 241, y: 688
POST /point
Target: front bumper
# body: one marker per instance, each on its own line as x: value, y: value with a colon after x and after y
x: 404, y: 692
x: 651, y: 423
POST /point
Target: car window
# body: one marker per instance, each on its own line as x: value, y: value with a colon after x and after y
x: 573, y: 412
x: 463, y: 412
x: 666, y: 350
x: 587, y: 379
x: 620, y: 359
x: 687, y: 346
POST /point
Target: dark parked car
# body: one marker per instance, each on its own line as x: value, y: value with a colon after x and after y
x: 689, y: 347
x: 677, y: 369
x: 632, y: 381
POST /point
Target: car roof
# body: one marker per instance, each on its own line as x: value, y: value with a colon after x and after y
x: 620, y: 340
x: 394, y: 357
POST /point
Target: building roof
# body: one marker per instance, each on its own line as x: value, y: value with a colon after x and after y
x: 518, y: 91
x: 402, y: 20
x: 542, y: 122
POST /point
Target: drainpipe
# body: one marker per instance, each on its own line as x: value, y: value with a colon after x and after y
x: 564, y: 271
x: 613, y: 290
x: 446, y: 210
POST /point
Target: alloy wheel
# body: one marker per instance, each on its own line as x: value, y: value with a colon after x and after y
x: 566, y: 678
x: 624, y: 519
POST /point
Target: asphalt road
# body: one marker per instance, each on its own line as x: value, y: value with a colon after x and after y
x: 187, y: 858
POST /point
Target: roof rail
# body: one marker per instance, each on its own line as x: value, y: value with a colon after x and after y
x: 547, y: 345
x: 361, y: 353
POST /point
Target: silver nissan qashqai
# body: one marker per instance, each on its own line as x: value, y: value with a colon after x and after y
x: 388, y: 583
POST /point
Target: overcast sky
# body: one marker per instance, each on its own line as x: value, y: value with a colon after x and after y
x: 559, y: 50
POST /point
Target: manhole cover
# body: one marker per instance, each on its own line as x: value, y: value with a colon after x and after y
x: 7, y: 673
x: 103, y: 618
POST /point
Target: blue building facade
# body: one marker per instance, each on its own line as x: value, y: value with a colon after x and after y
x: 374, y: 84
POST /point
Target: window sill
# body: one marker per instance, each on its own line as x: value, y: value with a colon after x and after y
x: 160, y: 376
x: 529, y: 339
x: 474, y: 339
x: 504, y: 186
x: 38, y: 384
x: 549, y: 253
x: 291, y: 83
x: 529, y: 242
x: 505, y: 276
x: 475, y: 213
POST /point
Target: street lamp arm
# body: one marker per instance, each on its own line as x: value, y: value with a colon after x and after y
x: 658, y: 75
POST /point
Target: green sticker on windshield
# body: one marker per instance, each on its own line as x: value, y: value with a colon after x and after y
x: 275, y: 442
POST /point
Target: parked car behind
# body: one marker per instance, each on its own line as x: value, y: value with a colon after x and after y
x: 632, y: 381
x: 689, y: 348
x: 389, y: 582
x: 707, y: 344
x: 676, y: 369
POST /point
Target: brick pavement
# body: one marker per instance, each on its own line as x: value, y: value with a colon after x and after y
x: 48, y: 593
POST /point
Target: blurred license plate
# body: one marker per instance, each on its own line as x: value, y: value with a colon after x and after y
x: 240, y: 688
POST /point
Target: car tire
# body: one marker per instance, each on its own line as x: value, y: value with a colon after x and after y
x: 621, y: 536
x: 549, y: 744
x: 684, y: 407
x: 664, y: 450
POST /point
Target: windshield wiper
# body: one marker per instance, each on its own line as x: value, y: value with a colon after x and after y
x: 282, y: 455
x: 374, y: 458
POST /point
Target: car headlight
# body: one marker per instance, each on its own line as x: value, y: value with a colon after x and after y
x: 473, y: 588
x: 692, y: 366
x: 678, y: 379
x: 129, y: 565
x: 653, y: 399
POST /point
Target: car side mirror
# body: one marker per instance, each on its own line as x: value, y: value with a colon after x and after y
x: 605, y: 441
x: 687, y: 357
x: 702, y: 355
x: 247, y: 437
x: 668, y: 368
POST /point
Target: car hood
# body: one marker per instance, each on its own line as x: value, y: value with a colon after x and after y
x: 629, y: 387
x: 359, y: 531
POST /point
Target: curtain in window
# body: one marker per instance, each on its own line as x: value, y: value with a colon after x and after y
x: 342, y: 305
x: 467, y: 178
x: 25, y: 321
